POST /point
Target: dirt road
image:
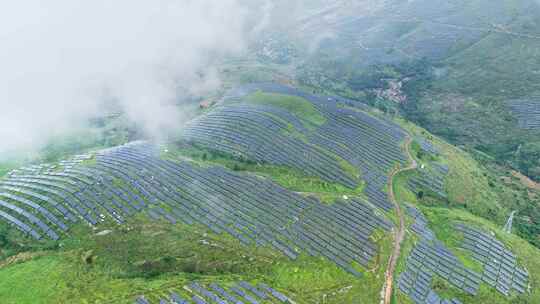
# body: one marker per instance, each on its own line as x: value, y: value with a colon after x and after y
x: 399, y: 233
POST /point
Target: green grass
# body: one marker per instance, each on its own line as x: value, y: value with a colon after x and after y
x: 448, y: 291
x: 36, y: 281
x: 445, y: 231
x: 14, y: 160
x: 298, y: 106
x: 420, y: 155
x: 5, y: 167
x: 12, y: 242
x: 401, y: 188
x: 89, y: 162
x: 147, y: 257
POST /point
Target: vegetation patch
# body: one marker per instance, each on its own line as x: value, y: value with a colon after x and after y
x: 150, y: 257
x: 300, y: 107
x: 289, y: 178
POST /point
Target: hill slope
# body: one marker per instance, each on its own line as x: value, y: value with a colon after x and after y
x: 272, y: 187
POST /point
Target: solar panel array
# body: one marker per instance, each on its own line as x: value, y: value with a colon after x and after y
x: 499, y: 263
x: 430, y: 259
x: 200, y: 293
x: 420, y: 224
x: 260, y: 133
x: 430, y: 178
x: 132, y: 178
x: 426, y: 145
x: 527, y: 113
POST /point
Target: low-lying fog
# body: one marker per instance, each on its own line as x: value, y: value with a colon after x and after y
x: 62, y: 61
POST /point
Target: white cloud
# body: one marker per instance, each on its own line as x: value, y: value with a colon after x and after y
x: 58, y: 57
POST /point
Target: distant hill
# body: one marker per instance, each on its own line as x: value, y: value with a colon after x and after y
x: 467, y: 67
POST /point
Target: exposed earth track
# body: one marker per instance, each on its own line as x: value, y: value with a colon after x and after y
x: 399, y: 235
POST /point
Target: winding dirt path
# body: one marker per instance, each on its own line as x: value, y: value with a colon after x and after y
x: 399, y: 235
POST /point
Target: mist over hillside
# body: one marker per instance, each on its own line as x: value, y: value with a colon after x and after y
x: 61, y: 62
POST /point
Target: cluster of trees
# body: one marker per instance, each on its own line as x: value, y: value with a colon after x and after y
x: 527, y: 160
x: 528, y: 224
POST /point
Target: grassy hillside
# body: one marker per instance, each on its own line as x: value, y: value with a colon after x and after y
x: 151, y: 257
x: 116, y: 263
x: 478, y: 199
x: 441, y: 221
x: 476, y: 186
x: 295, y: 105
